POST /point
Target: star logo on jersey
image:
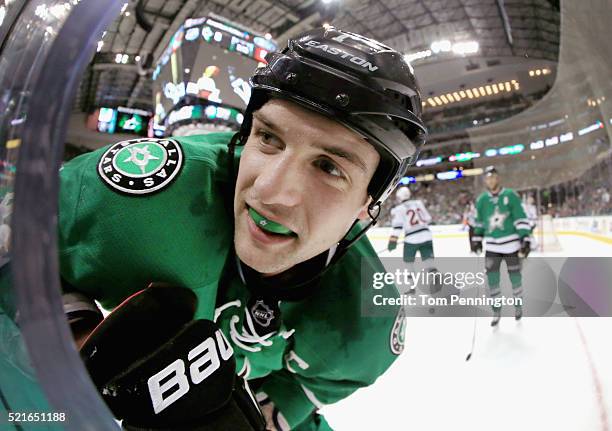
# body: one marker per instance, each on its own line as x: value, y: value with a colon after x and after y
x: 141, y: 166
x: 140, y: 156
x: 497, y: 219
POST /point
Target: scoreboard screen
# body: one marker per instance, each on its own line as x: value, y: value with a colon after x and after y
x: 207, y: 60
x: 123, y: 120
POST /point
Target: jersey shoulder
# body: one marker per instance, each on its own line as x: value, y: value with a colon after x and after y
x: 483, y: 196
x: 397, y: 209
x: 147, y: 166
x: 118, y: 236
x: 511, y: 195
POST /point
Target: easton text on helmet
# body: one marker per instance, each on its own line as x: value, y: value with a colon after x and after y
x: 336, y: 51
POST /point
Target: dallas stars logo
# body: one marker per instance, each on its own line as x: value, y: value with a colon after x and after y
x: 497, y: 219
x: 140, y: 156
x: 141, y: 166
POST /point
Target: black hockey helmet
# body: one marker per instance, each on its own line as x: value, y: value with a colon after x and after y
x: 365, y: 85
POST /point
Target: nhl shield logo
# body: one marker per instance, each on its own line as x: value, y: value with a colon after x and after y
x: 141, y: 166
x: 262, y: 314
x: 398, y: 332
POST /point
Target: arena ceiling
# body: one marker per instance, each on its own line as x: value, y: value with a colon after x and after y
x: 519, y: 29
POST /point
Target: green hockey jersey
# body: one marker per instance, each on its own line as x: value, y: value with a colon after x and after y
x: 500, y: 218
x: 114, y: 240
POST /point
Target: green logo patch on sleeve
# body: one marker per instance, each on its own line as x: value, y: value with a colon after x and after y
x: 141, y: 166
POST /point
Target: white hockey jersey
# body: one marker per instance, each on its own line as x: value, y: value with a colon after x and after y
x: 412, y: 218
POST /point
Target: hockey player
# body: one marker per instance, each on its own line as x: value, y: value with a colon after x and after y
x: 411, y: 218
x: 263, y: 225
x: 501, y: 220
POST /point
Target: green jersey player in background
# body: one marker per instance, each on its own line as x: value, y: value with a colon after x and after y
x: 500, y: 219
x: 262, y: 225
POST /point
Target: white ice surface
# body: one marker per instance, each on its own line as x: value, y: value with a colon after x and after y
x: 531, y: 375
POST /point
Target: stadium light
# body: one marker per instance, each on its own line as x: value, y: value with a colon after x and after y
x: 468, y: 47
x: 474, y: 93
x: 537, y: 145
x: 441, y: 46
x: 417, y: 55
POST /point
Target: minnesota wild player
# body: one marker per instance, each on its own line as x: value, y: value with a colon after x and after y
x: 262, y: 225
x: 501, y: 220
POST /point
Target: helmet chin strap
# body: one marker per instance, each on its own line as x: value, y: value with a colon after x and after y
x: 342, y: 247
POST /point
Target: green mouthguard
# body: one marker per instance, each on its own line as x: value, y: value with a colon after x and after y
x: 269, y: 225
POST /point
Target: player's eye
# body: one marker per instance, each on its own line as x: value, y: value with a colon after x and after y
x: 329, y: 168
x: 268, y: 140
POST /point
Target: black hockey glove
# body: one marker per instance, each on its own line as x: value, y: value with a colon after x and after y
x: 157, y: 369
x: 476, y: 245
x: 525, y: 247
x: 392, y: 243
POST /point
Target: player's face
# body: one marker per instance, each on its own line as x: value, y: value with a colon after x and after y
x: 492, y: 181
x: 304, y: 172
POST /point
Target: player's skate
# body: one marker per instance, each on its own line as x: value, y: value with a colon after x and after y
x: 434, y: 278
x: 496, y: 317
x: 518, y: 313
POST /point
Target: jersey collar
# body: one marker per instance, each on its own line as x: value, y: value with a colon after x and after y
x: 495, y: 194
